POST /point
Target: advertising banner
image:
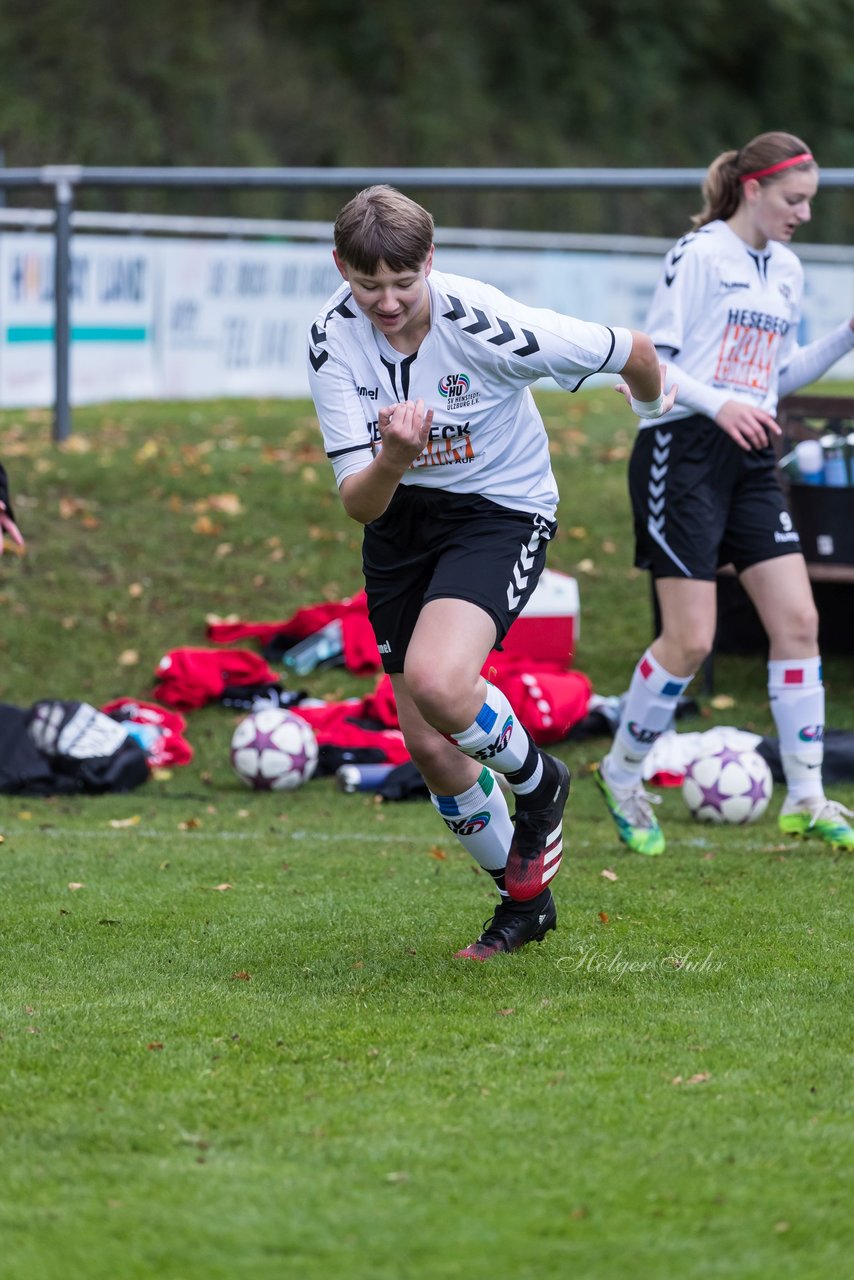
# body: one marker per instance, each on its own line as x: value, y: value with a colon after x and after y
x: 112, y: 301
x: 235, y: 316
x: 167, y: 318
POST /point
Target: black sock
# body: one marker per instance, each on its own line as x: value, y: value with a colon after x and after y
x: 498, y: 877
x: 542, y: 793
x: 533, y: 905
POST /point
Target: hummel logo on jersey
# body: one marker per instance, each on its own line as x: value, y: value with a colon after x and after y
x: 676, y: 257
x: 384, y: 647
x: 318, y: 336
x: 735, y: 284
x: 482, y: 322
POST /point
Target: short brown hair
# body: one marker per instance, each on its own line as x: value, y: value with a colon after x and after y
x: 381, y: 224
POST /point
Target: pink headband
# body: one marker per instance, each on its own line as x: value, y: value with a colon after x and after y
x: 804, y: 158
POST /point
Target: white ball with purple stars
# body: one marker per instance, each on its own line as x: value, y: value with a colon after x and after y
x: 274, y: 750
x: 727, y: 785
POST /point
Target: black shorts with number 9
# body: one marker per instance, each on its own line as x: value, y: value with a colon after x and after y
x: 700, y: 501
x: 431, y: 544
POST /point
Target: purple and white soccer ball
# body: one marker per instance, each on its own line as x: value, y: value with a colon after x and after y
x: 274, y: 750
x: 729, y: 785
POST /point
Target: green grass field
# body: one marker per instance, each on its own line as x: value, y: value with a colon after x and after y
x: 233, y: 1040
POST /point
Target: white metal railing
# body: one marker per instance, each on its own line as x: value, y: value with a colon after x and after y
x: 321, y: 233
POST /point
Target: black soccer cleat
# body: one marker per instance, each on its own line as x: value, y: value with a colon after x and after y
x: 511, y: 928
x: 537, y: 844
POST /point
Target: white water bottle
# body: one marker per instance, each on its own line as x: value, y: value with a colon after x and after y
x: 810, y: 461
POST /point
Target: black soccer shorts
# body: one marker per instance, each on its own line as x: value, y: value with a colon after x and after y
x: 700, y: 501
x: 431, y: 544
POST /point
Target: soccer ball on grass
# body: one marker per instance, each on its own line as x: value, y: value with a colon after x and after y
x: 727, y: 785
x: 273, y: 750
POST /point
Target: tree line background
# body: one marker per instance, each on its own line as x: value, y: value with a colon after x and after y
x: 477, y: 83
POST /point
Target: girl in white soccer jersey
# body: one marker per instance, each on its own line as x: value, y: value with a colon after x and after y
x: 704, y: 486
x: 421, y: 382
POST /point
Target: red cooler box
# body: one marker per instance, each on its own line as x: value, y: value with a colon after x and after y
x: 547, y: 628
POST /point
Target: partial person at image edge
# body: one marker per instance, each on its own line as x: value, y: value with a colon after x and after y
x: 7, y: 516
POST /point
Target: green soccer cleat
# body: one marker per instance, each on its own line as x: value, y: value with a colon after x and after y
x: 631, y: 810
x: 824, y: 819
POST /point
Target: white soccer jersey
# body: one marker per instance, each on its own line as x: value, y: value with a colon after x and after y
x: 474, y: 369
x: 729, y: 315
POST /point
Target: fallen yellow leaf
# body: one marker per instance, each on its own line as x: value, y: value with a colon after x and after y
x: 76, y: 444
x: 229, y: 503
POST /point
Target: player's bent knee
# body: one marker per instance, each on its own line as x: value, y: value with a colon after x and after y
x: 439, y: 695
x: 696, y: 654
x: 686, y: 653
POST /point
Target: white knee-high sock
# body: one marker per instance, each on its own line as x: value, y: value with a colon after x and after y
x: 796, y: 694
x: 499, y: 739
x: 480, y: 820
x: 649, y: 710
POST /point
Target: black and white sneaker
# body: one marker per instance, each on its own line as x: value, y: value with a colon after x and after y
x: 512, y: 927
x: 537, y: 844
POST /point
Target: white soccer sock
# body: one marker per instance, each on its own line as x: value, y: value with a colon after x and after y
x: 480, y: 820
x: 499, y: 739
x: 796, y: 694
x: 649, y: 710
